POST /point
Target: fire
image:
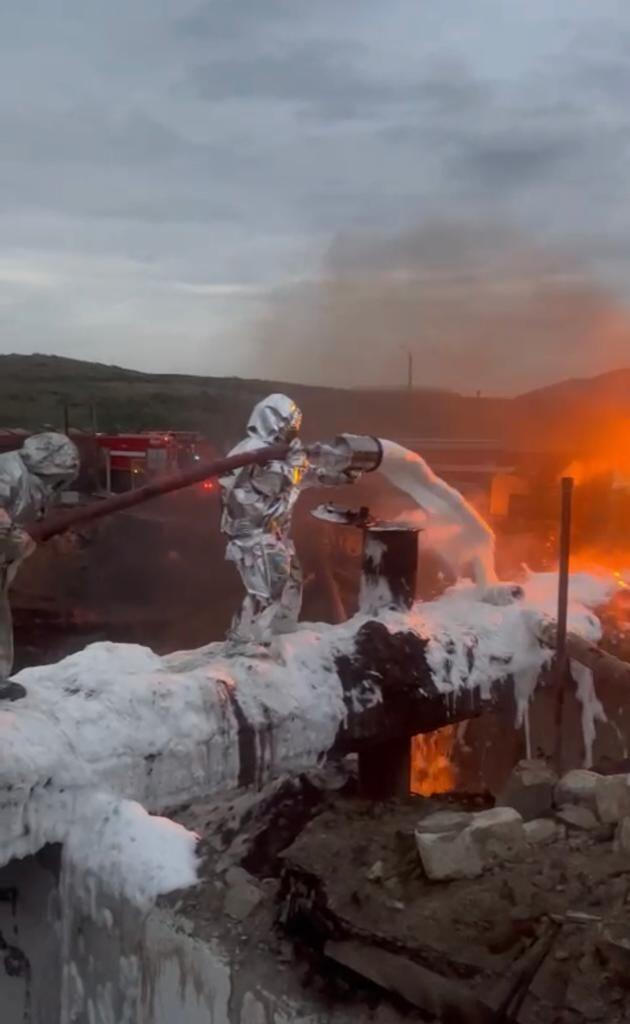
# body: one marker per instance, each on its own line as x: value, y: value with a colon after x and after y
x: 599, y: 560
x: 609, y: 456
x: 432, y: 767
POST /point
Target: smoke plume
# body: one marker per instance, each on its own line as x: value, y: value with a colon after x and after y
x: 479, y: 309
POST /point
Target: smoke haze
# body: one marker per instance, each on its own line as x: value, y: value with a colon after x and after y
x: 477, y: 308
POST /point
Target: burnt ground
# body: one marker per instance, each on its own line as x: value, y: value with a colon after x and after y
x: 326, y: 867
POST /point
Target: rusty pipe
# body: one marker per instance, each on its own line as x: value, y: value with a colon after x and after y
x: 44, y: 530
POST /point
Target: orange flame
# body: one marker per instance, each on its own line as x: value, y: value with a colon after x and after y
x: 609, y: 456
x: 432, y: 767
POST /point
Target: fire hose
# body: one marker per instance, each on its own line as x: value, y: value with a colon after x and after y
x: 46, y: 529
x: 354, y: 451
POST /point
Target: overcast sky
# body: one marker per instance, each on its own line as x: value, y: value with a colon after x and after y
x: 184, y: 185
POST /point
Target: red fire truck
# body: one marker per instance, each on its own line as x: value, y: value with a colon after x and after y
x: 132, y: 459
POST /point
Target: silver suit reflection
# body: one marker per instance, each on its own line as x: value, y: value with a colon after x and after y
x: 258, y: 503
x: 29, y: 482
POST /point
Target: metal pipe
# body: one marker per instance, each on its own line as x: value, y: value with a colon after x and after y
x: 43, y: 531
x: 566, y: 498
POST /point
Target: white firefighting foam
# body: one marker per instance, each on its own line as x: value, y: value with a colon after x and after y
x: 452, y: 526
x: 116, y: 724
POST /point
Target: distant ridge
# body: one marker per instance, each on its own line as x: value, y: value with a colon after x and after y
x: 34, y: 389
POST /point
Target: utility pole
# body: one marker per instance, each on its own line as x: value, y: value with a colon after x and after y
x: 409, y: 371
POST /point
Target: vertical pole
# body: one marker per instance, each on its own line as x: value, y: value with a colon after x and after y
x: 388, y: 580
x: 93, y: 417
x: 108, y: 471
x: 66, y: 419
x: 410, y: 371
x: 389, y: 570
x: 566, y: 498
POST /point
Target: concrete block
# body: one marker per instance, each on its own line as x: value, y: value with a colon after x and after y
x: 449, y: 855
x: 444, y: 821
x: 577, y: 787
x: 540, y: 831
x: 575, y: 817
x: 612, y: 798
x: 529, y: 789
x: 242, y: 896
x: 497, y: 833
x: 622, y: 836
x: 614, y: 948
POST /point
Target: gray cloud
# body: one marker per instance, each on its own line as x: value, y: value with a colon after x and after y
x: 318, y: 74
x: 163, y: 164
x: 508, y: 161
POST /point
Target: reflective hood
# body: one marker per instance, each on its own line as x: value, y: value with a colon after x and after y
x: 275, y: 418
x: 52, y: 457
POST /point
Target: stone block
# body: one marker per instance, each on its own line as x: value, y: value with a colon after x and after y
x: 444, y: 821
x: 375, y: 874
x: 529, y: 789
x: 614, y: 947
x: 612, y: 798
x: 577, y: 787
x: 449, y: 855
x: 497, y: 833
x: 622, y: 836
x: 540, y: 831
x: 242, y: 896
x: 575, y: 817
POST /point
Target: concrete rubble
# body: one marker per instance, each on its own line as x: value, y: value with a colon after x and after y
x: 530, y: 789
x: 359, y: 910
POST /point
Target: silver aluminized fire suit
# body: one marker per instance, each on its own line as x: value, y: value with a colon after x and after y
x: 30, y: 479
x: 258, y: 503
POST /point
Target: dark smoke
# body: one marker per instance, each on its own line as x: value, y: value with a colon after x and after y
x: 478, y: 308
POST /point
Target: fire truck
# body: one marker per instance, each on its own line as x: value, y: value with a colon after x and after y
x: 132, y: 459
x: 113, y: 463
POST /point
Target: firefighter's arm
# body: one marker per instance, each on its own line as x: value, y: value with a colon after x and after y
x: 322, y: 472
x: 15, y: 543
x: 330, y: 478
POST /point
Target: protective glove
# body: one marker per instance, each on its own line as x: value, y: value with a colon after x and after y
x: 296, y: 456
x: 15, y: 543
x: 326, y: 458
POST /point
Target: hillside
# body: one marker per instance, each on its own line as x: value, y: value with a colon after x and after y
x: 34, y: 389
x: 611, y: 389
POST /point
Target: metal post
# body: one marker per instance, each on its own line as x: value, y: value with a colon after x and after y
x: 66, y: 419
x: 566, y: 497
x: 410, y: 371
x: 390, y: 568
x: 388, y: 581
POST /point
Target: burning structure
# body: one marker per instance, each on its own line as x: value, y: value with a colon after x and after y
x: 237, y: 744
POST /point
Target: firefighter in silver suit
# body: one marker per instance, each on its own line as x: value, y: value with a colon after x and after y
x: 30, y: 480
x: 258, y: 503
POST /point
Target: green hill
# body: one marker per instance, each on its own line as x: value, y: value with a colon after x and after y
x: 34, y: 390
